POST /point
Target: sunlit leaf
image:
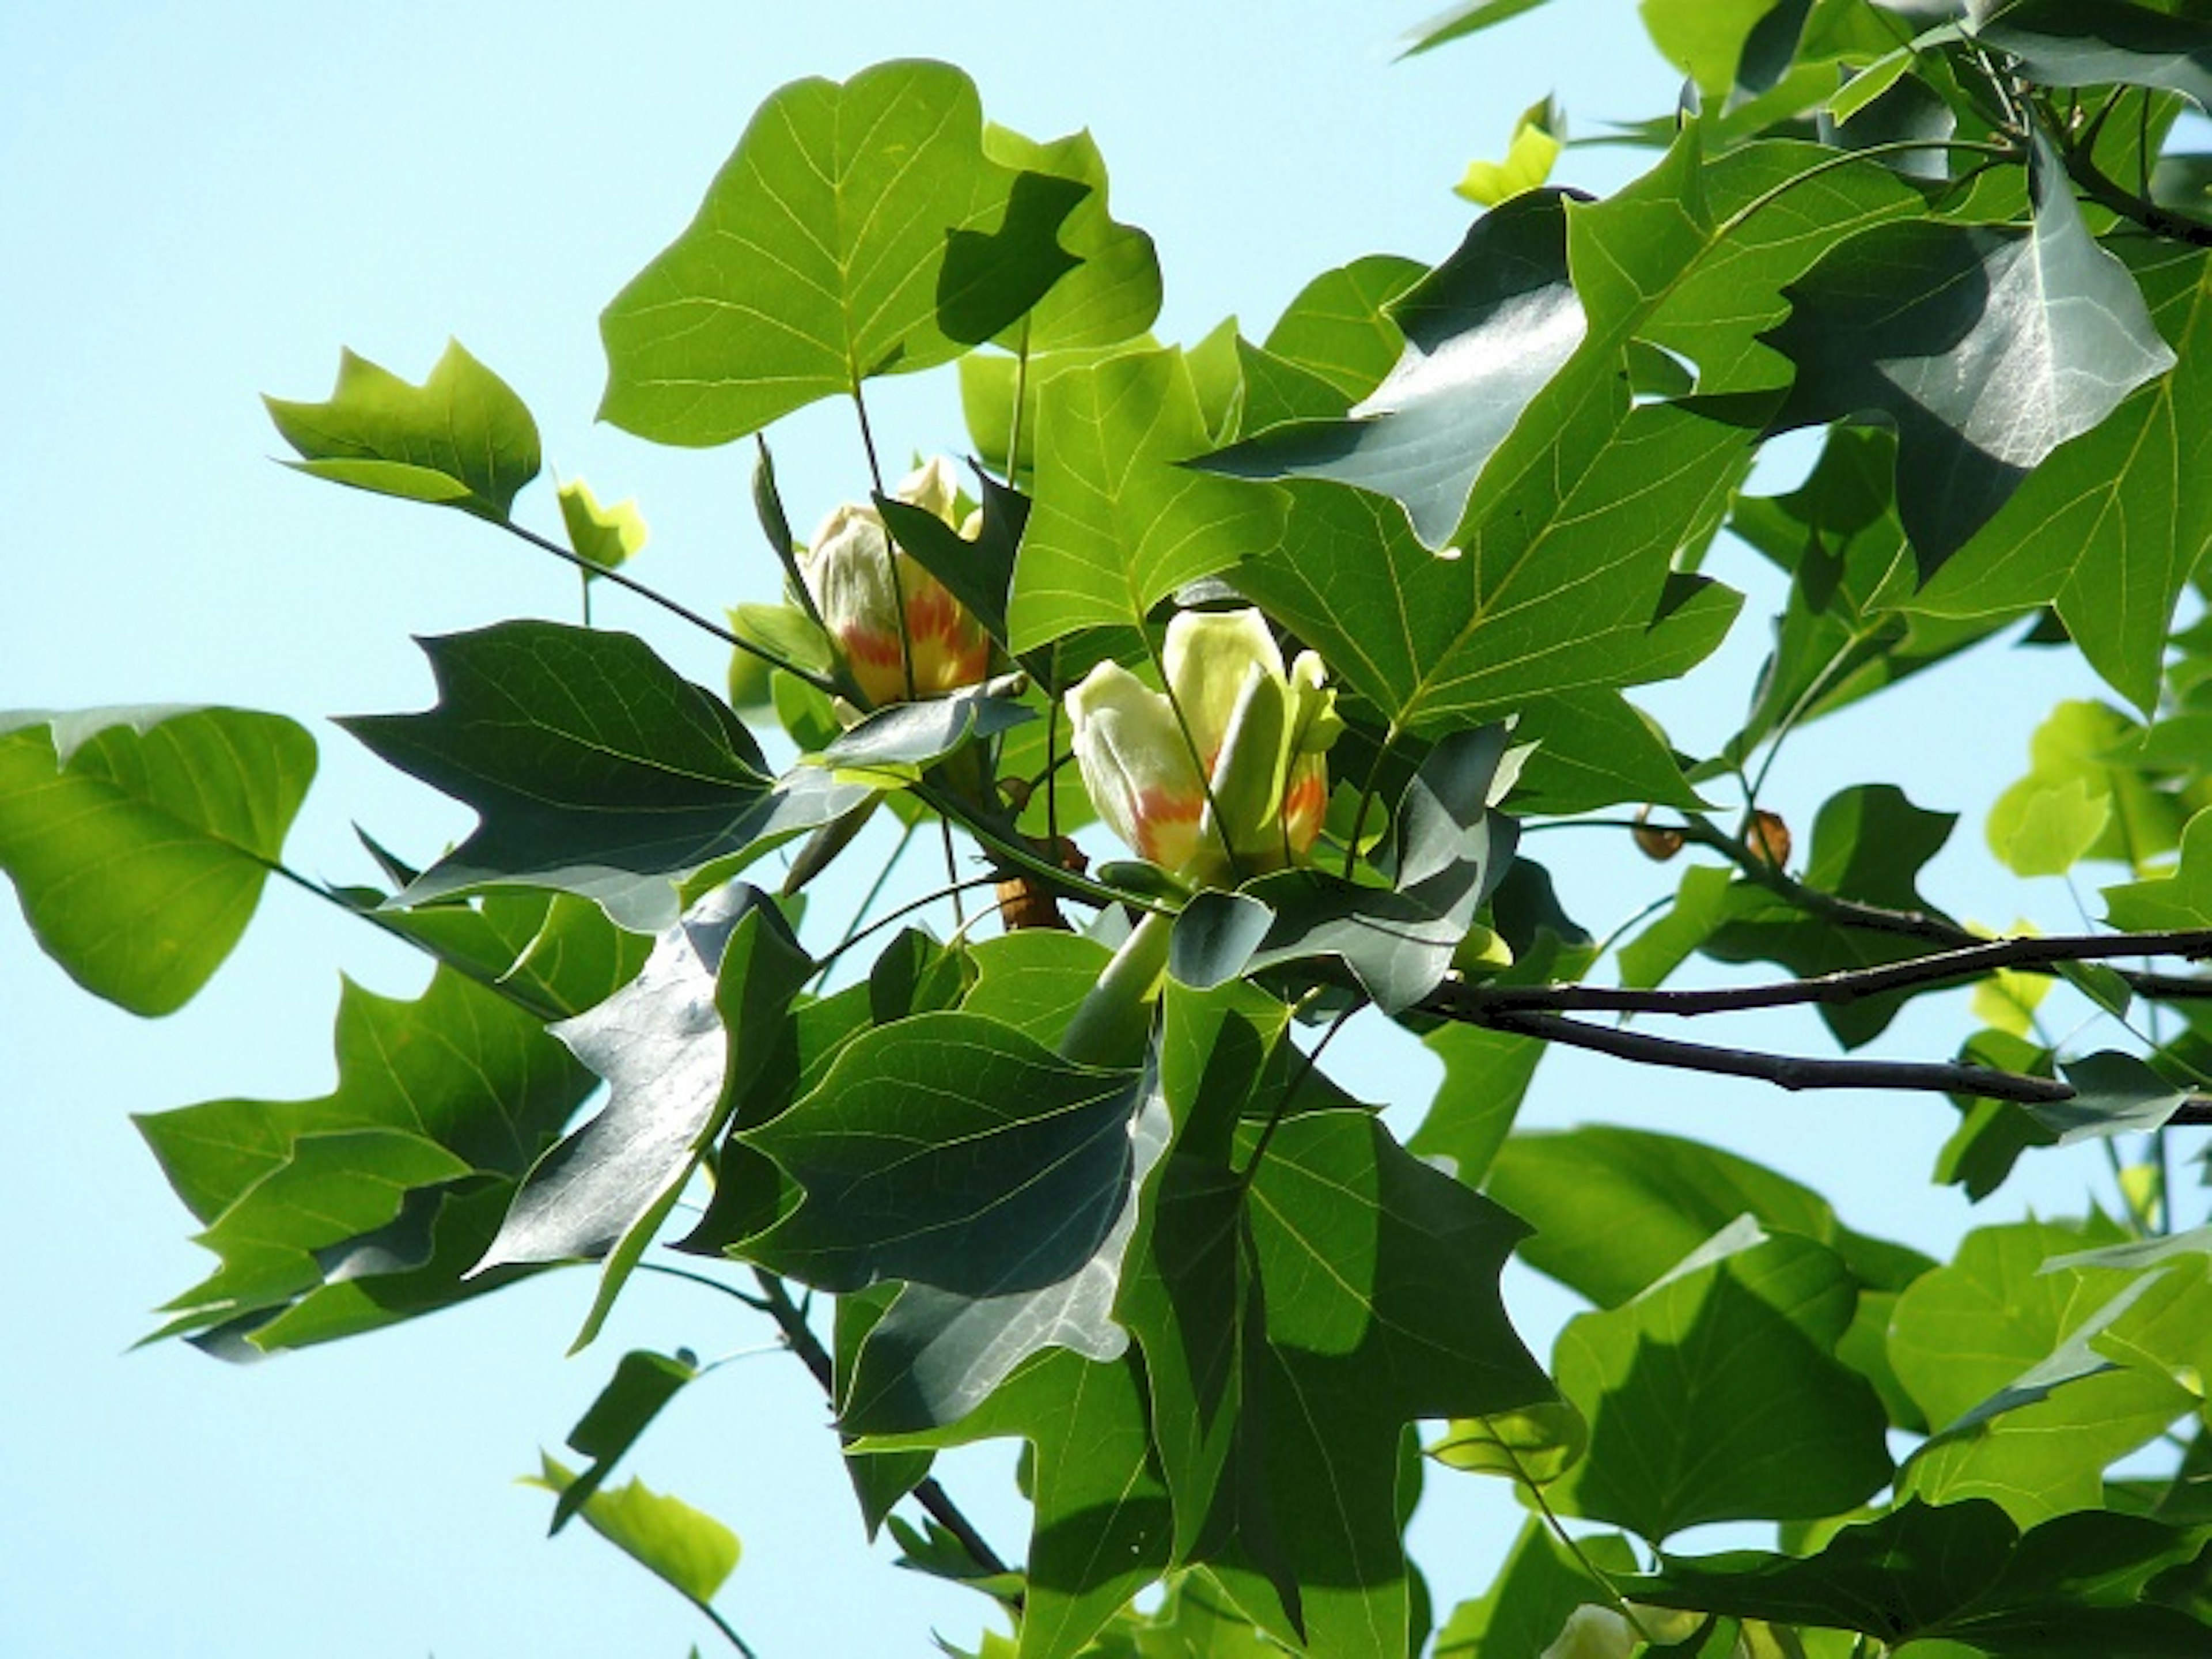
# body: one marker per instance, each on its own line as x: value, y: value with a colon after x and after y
x: 820, y: 256
x: 1118, y: 523
x: 1113, y: 293
x: 679, y: 1046
x: 461, y: 439
x: 606, y: 538
x: 1529, y: 155
x: 643, y: 1382
x: 138, y: 839
x: 664, y: 1534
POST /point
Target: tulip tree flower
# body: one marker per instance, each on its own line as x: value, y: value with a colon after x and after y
x: 1238, y: 785
x: 902, y: 634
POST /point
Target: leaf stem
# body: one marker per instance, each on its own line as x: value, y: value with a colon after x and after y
x: 1598, y: 1575
x: 773, y: 658
x: 798, y: 1336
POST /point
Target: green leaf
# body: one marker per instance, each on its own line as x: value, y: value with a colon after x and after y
x: 552, y: 953
x: 979, y: 574
x: 1113, y: 293
x: 2108, y: 529
x: 680, y: 1047
x: 1118, y: 523
x: 1291, y: 1326
x: 1535, y: 1592
x: 953, y: 1150
x: 687, y: 1547
x: 1530, y: 156
x: 643, y: 1382
x: 1595, y: 749
x: 2071, y: 1587
x: 825, y: 253
x: 606, y: 538
x: 1986, y: 349
x: 1459, y: 22
x: 459, y: 1067
x: 1484, y: 331
x: 1715, y: 1394
x: 2114, y: 1094
x: 138, y: 839
x: 1339, y: 329
x: 1614, y: 1208
x: 2083, y: 797
x: 1102, y: 1529
x: 2094, y: 43
x: 1869, y: 843
x: 1841, y: 637
x: 2002, y: 1348
x: 461, y: 439
x: 2182, y: 900
x: 593, y: 767
x: 897, y: 742
x: 1534, y: 1446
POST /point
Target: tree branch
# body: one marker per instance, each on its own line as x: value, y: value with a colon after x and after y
x: 1785, y: 1071
x: 798, y: 1336
x: 1477, y: 1002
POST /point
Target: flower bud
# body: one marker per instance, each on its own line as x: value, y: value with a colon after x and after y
x: 901, y: 633
x: 1251, y: 736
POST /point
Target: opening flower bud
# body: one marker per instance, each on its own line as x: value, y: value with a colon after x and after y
x: 901, y: 633
x: 1237, y: 786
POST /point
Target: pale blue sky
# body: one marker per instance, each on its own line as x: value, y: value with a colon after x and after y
x: 196, y: 207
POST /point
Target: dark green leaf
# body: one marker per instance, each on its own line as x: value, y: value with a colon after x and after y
x: 1985, y: 348
x: 2094, y: 43
x: 1715, y: 1394
x: 554, y: 954
x: 1102, y: 1528
x: 1534, y: 1593
x: 2109, y: 528
x: 690, y: 1549
x: 1484, y: 331
x: 1960, y: 1571
x: 643, y: 1382
x: 950, y: 1150
x: 906, y: 737
x: 1903, y: 109
x: 138, y: 839
x: 991, y: 279
x: 593, y: 767
x: 819, y: 258
x: 2115, y: 1094
x: 461, y: 439
x: 679, y: 1046
x: 1595, y: 749
x: 980, y: 573
x: 1114, y: 293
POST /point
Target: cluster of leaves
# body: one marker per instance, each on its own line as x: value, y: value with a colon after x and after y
x: 1220, y: 1299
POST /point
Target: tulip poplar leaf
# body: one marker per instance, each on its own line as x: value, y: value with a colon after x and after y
x: 138, y: 839
x: 686, y: 1547
x: 461, y: 439
x: 1961, y: 1573
x: 2095, y: 43
x: 1715, y: 1395
x: 593, y: 767
x: 1118, y: 522
x: 834, y: 246
x: 680, y: 1047
x: 1985, y: 348
x: 1484, y: 331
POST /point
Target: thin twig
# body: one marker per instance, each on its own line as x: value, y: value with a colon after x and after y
x: 1846, y: 985
x: 798, y: 1336
x: 1791, y: 1072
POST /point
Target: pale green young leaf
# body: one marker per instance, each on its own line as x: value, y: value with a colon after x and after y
x: 139, y: 839
x: 461, y: 439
